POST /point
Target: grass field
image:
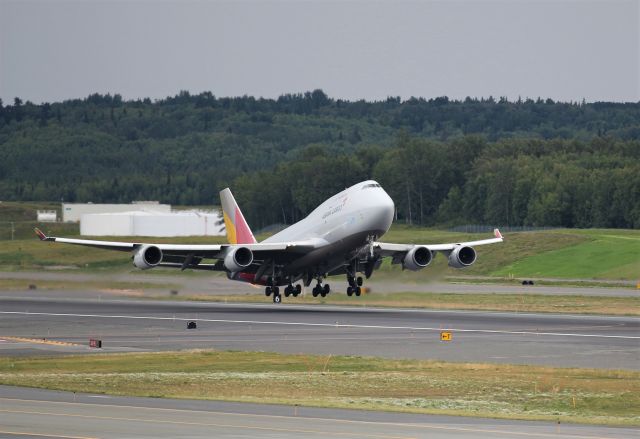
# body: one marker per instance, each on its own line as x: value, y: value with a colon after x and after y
x: 502, y: 391
x: 563, y: 253
x: 606, y: 254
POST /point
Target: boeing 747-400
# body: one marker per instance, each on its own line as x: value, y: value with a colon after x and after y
x: 340, y: 237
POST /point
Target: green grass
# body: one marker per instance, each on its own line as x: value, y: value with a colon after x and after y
x: 606, y: 254
x: 501, y: 391
x: 563, y: 253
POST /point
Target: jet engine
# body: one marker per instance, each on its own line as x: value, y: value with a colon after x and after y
x: 148, y: 256
x: 461, y: 257
x: 238, y: 258
x: 417, y: 258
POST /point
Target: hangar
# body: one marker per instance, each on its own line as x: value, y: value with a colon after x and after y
x: 72, y: 212
x: 153, y: 223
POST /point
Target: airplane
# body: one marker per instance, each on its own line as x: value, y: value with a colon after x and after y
x: 340, y: 237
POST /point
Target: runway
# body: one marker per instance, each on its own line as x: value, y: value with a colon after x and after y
x: 48, y: 414
x: 144, y: 325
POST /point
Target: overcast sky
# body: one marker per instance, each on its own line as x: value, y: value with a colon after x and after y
x: 565, y: 50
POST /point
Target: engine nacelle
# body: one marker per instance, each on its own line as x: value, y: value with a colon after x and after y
x: 147, y: 256
x: 238, y: 259
x: 417, y: 258
x: 461, y: 257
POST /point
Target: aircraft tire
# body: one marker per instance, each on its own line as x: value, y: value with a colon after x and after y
x: 287, y: 291
x: 315, y: 291
x: 359, y: 281
x: 358, y: 291
x: 267, y: 291
x: 297, y: 290
x: 349, y: 291
x: 326, y: 290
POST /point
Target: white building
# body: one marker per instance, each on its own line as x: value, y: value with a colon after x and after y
x: 72, y: 212
x: 146, y: 223
x: 47, y: 216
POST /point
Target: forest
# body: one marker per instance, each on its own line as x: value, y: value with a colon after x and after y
x: 482, y: 161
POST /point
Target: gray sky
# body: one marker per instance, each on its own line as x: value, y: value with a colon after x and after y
x: 566, y: 50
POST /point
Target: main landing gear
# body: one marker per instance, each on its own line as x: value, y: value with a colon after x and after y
x: 321, y: 290
x: 355, y: 286
x: 289, y: 290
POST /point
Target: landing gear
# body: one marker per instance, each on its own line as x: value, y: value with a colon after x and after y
x: 268, y: 291
x: 355, y: 286
x: 320, y: 290
x: 291, y: 290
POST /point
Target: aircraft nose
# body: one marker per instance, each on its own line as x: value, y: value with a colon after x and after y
x: 387, y: 209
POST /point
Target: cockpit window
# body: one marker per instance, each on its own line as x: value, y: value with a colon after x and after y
x: 370, y: 185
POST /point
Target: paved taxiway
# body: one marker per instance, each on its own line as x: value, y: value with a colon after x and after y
x: 142, y: 325
x: 49, y: 414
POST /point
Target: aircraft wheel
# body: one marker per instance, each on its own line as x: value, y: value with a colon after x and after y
x: 267, y: 291
x: 277, y: 298
x: 326, y: 290
x: 298, y: 290
x: 358, y: 291
x: 315, y: 291
x: 349, y: 291
x: 287, y: 291
x: 359, y: 281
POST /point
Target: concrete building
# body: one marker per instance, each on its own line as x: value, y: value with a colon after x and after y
x: 72, y: 212
x: 150, y: 223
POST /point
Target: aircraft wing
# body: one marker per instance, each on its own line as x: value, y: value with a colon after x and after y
x: 190, y: 255
x: 389, y: 249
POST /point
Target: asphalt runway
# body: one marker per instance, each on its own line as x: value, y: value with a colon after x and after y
x: 48, y: 414
x: 145, y: 325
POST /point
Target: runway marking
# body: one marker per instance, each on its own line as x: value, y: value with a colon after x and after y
x: 425, y: 426
x: 17, y: 433
x: 206, y: 424
x: 327, y: 325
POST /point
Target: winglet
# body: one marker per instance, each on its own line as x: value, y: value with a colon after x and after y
x: 497, y: 233
x: 41, y: 235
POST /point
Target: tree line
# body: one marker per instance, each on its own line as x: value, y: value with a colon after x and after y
x: 529, y: 162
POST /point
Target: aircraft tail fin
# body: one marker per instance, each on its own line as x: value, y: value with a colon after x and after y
x: 238, y: 231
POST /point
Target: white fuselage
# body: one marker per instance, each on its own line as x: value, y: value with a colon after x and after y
x: 343, y: 223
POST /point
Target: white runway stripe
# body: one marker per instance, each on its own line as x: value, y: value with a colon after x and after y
x: 327, y: 325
